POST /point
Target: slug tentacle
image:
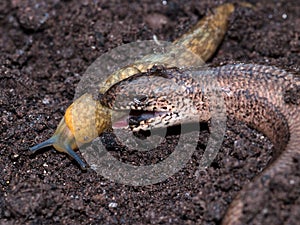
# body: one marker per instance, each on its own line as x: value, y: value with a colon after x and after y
x: 63, y: 141
x: 44, y: 144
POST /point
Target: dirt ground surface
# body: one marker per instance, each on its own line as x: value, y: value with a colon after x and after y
x: 45, y: 48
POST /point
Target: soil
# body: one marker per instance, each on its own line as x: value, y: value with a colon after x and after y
x: 45, y: 48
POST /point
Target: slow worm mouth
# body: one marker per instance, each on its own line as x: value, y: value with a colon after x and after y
x: 135, y: 118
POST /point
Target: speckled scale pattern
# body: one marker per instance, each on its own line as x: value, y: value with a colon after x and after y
x: 258, y: 99
x: 253, y: 94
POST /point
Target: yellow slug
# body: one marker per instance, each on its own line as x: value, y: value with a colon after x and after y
x: 86, y: 118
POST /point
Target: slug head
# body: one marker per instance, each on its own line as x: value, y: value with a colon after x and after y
x: 63, y: 141
x: 84, y: 120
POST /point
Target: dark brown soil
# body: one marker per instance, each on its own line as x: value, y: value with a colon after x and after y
x: 47, y: 45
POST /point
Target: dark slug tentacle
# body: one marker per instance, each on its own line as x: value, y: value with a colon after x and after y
x: 63, y: 141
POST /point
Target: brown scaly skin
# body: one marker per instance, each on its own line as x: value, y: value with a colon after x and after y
x: 264, y: 97
x: 85, y: 119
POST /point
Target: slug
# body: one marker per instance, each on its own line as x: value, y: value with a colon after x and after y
x: 86, y: 118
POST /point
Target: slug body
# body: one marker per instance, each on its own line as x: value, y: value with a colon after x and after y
x: 86, y: 118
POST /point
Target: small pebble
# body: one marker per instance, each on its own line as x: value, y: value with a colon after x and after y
x: 112, y: 205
